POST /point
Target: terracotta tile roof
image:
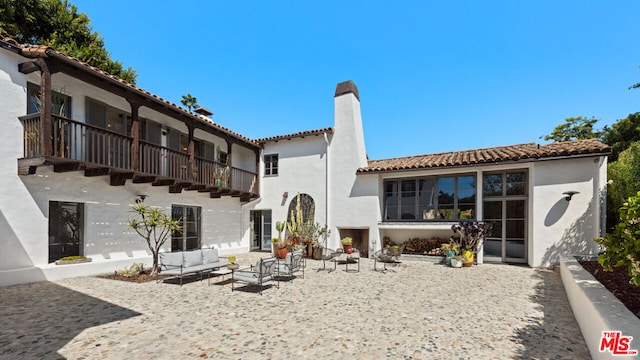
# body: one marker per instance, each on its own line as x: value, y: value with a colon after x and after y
x: 42, y: 51
x: 300, y: 134
x: 501, y: 154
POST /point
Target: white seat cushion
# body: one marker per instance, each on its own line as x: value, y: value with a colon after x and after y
x: 210, y: 256
x: 192, y: 258
x: 171, y: 259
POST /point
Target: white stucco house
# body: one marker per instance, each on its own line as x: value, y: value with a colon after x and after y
x: 79, y: 147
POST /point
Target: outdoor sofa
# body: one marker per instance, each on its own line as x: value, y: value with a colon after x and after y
x: 182, y: 263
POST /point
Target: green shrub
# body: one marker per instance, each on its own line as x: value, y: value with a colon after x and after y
x: 70, y: 258
x: 133, y: 270
x: 622, y: 247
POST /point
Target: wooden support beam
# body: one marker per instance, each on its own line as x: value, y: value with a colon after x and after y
x: 192, y: 171
x: 66, y: 167
x: 142, y: 179
x: 96, y: 172
x: 45, y: 109
x: 28, y: 67
x: 163, y: 182
x: 27, y: 170
x: 177, y: 188
x: 135, y: 135
x: 196, y: 187
x: 119, y: 179
x: 215, y: 195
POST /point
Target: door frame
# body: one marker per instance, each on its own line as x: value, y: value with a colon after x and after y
x: 262, y: 232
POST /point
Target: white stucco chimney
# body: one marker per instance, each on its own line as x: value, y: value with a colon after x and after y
x: 349, y: 136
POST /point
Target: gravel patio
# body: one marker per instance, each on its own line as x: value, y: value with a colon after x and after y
x: 421, y: 310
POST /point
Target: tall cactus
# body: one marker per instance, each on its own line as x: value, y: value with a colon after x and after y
x: 280, y: 229
x: 297, y: 221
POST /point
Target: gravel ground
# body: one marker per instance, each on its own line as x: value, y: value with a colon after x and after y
x: 419, y: 310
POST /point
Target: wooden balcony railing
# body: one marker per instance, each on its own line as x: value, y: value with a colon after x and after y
x: 74, y: 141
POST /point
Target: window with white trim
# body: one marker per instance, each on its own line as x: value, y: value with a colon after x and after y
x: 431, y: 198
x: 271, y: 164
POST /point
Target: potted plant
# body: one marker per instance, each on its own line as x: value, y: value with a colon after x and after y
x: 347, y: 244
x: 467, y: 257
x: 456, y: 261
x: 319, y: 238
x: 232, y: 263
x: 471, y: 235
x: 277, y: 243
x: 450, y: 250
x: 274, y: 246
x: 307, y: 230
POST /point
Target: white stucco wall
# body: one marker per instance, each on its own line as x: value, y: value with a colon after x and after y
x: 24, y: 200
x: 301, y: 169
x: 559, y: 226
x: 15, y: 206
x: 107, y: 208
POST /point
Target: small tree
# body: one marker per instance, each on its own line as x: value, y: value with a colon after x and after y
x: 622, y: 247
x: 154, y: 226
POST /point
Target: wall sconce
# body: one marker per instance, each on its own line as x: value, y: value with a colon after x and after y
x: 140, y: 199
x: 569, y: 194
x: 285, y: 194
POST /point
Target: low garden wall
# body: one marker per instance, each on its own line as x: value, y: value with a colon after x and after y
x: 596, y: 309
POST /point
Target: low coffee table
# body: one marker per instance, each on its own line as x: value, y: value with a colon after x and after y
x: 229, y: 269
x: 353, y: 258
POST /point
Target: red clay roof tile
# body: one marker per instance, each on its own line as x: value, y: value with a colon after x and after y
x: 499, y: 154
x: 300, y: 134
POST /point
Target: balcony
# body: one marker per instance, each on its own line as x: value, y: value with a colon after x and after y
x: 100, y: 152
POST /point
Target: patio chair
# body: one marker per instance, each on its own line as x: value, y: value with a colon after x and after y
x: 386, y: 256
x: 293, y: 263
x: 329, y: 255
x: 263, y: 271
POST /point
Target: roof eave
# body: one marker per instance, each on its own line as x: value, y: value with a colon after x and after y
x: 47, y: 52
x: 503, y: 162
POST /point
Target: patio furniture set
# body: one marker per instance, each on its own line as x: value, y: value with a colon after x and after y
x: 206, y: 261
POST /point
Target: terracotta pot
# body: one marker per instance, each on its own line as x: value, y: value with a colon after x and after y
x: 317, y: 253
x: 467, y: 264
x: 348, y: 248
x: 282, y: 252
x: 309, y: 250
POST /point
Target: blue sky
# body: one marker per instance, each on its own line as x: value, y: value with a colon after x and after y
x: 433, y: 76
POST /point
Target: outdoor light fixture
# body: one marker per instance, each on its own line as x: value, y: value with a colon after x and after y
x: 569, y: 194
x: 285, y: 194
x: 140, y: 198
